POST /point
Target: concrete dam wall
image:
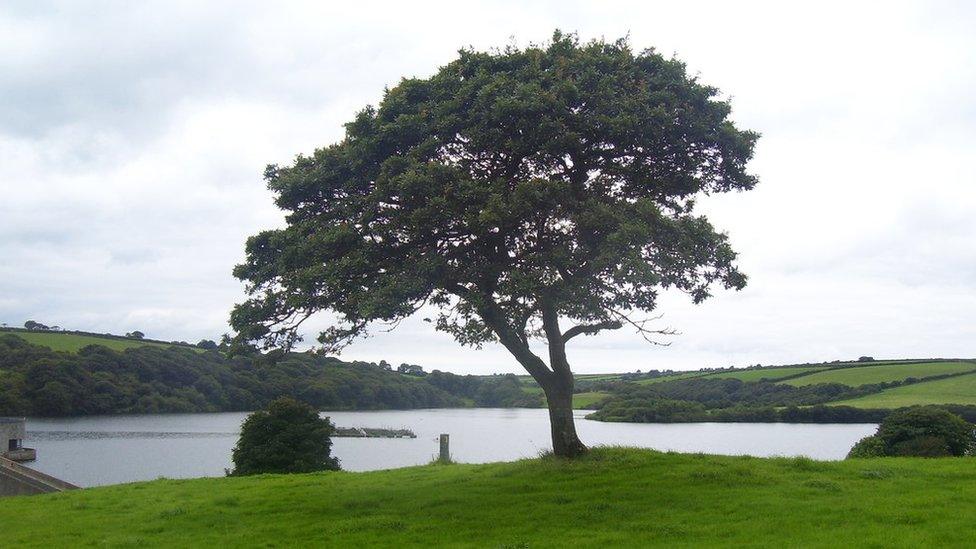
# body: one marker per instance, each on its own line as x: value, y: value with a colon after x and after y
x: 18, y: 480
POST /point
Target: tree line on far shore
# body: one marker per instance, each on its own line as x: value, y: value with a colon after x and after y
x: 36, y: 381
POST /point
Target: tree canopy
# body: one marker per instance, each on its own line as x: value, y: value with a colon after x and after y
x: 511, y: 190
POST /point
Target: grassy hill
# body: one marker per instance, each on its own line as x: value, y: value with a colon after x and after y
x: 759, y: 374
x: 72, y: 342
x: 953, y: 390
x: 611, y: 498
x: 866, y: 375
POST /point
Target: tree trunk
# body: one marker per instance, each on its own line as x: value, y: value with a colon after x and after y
x: 565, y: 442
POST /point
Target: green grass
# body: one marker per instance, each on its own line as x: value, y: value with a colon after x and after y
x: 582, y: 400
x: 72, y: 343
x: 953, y: 390
x: 671, y: 377
x: 864, y: 375
x: 610, y: 498
x: 760, y: 374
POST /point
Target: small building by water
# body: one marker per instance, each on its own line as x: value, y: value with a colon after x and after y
x: 13, y: 431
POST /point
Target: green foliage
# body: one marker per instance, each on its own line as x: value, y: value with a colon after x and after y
x: 920, y: 431
x: 914, y: 428
x: 611, y: 497
x: 641, y: 410
x: 289, y: 437
x: 867, y: 447
x: 208, y: 345
x: 498, y: 391
x: 96, y: 380
x: 558, y: 179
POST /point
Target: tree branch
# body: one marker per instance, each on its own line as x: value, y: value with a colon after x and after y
x: 643, y: 330
x: 591, y: 329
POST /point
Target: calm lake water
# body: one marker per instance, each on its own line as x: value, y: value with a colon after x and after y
x: 101, y: 450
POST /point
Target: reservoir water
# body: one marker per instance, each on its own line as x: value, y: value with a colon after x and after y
x: 100, y: 450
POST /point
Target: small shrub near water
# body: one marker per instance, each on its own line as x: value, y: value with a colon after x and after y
x: 288, y: 437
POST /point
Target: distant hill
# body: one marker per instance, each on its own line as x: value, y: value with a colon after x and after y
x: 74, y: 341
x: 836, y: 392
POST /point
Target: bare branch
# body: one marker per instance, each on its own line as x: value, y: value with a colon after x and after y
x: 643, y: 330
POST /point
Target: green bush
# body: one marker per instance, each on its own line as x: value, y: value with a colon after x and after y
x: 289, y: 437
x: 902, y: 428
x: 926, y: 446
x: 922, y: 431
x: 867, y: 447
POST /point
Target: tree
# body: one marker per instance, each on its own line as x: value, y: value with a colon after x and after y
x: 411, y: 370
x: 33, y: 325
x: 289, y: 437
x: 207, y: 344
x: 135, y: 335
x: 512, y: 192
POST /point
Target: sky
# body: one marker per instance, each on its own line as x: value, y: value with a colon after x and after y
x: 133, y: 137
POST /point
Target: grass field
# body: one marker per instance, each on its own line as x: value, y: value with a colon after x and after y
x: 864, y: 375
x: 760, y: 374
x: 671, y: 377
x: 73, y: 342
x: 582, y: 400
x: 953, y: 390
x: 611, y: 498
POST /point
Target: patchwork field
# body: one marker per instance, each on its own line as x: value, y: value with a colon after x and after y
x: 953, y: 390
x: 672, y: 377
x: 760, y: 374
x: 72, y: 343
x: 865, y: 375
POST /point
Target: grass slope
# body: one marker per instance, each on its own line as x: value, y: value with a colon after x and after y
x: 760, y: 374
x: 953, y: 390
x: 613, y: 497
x: 864, y: 375
x: 582, y: 400
x: 72, y: 343
x: 670, y: 377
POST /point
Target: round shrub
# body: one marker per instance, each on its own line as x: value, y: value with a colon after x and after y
x: 288, y: 437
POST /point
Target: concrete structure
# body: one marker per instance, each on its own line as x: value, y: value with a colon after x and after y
x: 13, y: 431
x: 18, y: 480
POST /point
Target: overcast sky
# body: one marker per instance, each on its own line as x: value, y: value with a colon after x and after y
x: 133, y: 136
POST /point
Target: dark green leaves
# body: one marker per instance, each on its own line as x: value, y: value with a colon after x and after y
x: 563, y: 175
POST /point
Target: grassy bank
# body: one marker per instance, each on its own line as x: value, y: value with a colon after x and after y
x: 613, y: 497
